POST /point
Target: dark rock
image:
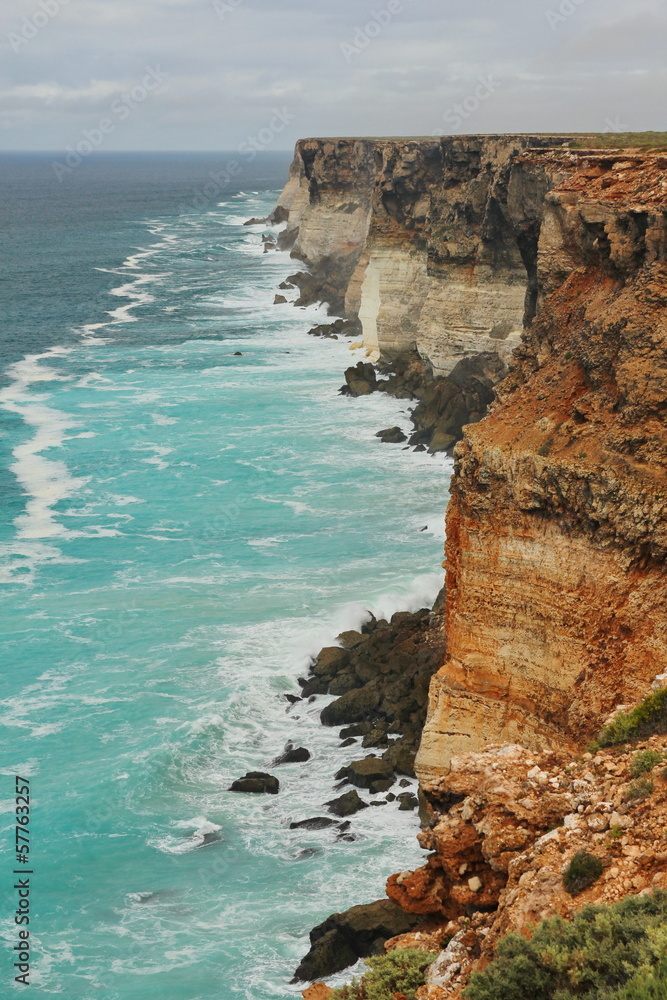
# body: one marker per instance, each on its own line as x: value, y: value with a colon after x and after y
x: 279, y: 300
x: 292, y: 755
x: 346, y: 805
x: 381, y: 786
x: 284, y: 285
x: 316, y: 823
x: 350, y: 640
x: 346, y: 937
x: 408, y: 802
x: 401, y: 757
x: 238, y: 354
x: 361, y: 729
x: 292, y: 698
x: 317, y: 685
x: 279, y: 215
x: 256, y: 782
x: 256, y: 222
x: 360, y: 379
x: 392, y: 435
x: 391, y: 797
x: 352, y: 707
x: 347, y: 743
x: 339, y: 328
x: 448, y: 403
x: 404, y: 783
x: 330, y: 661
x: 343, y: 683
x: 368, y: 772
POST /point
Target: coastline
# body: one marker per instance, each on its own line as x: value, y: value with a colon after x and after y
x: 474, y: 256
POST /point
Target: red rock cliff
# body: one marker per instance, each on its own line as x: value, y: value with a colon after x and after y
x: 557, y: 526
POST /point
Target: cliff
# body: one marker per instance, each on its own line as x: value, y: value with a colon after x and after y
x: 551, y: 257
x: 431, y: 243
x: 557, y: 530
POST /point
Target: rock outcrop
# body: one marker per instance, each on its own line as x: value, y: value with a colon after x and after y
x: 430, y: 243
x: 557, y: 527
x: 500, y: 855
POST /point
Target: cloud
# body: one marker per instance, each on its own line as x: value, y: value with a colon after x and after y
x: 232, y: 62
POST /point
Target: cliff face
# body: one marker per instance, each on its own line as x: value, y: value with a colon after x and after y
x: 430, y: 243
x: 557, y: 528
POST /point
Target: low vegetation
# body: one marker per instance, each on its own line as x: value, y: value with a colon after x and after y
x: 616, y: 952
x: 583, y: 870
x: 400, y: 971
x: 646, y: 719
x: 622, y: 140
x: 643, y: 762
x: 639, y: 790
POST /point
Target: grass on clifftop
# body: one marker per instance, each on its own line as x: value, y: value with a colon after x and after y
x: 616, y: 952
x: 621, y: 140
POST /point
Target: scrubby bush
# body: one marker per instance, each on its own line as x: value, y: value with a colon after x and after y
x: 639, y: 790
x: 643, y: 762
x: 614, y: 952
x: 583, y: 870
x: 646, y: 719
x: 399, y: 971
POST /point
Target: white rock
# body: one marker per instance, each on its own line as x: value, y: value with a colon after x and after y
x: 475, y: 884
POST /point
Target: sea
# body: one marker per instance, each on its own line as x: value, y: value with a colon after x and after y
x: 190, y: 510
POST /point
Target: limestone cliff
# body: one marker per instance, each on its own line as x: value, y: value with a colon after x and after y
x: 557, y: 527
x: 429, y: 242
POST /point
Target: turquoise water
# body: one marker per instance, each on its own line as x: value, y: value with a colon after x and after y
x: 182, y: 527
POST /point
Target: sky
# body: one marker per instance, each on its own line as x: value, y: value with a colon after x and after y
x: 215, y: 74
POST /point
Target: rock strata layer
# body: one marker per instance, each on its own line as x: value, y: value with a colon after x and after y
x: 557, y: 527
x: 430, y: 243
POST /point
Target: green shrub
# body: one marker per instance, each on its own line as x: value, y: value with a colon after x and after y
x: 651, y: 985
x: 639, y: 790
x: 583, y: 870
x: 643, y: 762
x: 605, y: 953
x: 400, y: 971
x: 646, y: 719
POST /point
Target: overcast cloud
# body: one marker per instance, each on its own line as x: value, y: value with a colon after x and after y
x: 221, y: 70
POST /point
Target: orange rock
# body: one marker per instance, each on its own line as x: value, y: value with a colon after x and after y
x: 318, y: 991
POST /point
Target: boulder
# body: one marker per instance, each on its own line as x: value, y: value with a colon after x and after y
x: 330, y: 661
x: 292, y: 755
x: 370, y: 772
x: 347, y: 805
x: 352, y: 707
x: 316, y: 823
x: 392, y: 435
x: 279, y: 300
x: 408, y: 802
x: 360, y: 379
x: 257, y: 783
x: 346, y: 937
